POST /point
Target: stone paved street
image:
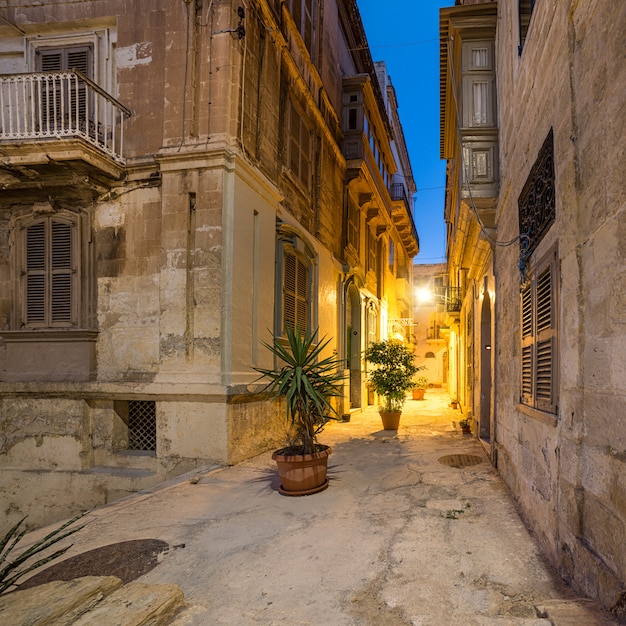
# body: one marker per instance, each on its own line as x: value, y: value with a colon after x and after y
x: 399, y: 537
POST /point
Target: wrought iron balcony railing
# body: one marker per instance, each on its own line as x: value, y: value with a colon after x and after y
x: 451, y: 297
x: 61, y: 105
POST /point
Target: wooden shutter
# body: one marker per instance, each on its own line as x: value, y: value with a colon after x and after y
x: 50, y: 289
x: 295, y: 292
x: 545, y: 341
x: 35, y: 312
x: 527, y: 346
x: 289, y: 291
x: 64, y: 103
x: 61, y: 273
x: 539, y: 338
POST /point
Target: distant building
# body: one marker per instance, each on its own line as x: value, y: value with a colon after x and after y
x: 533, y: 127
x: 430, y: 331
x: 179, y: 183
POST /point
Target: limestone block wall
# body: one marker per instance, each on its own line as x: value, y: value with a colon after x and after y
x: 568, y: 469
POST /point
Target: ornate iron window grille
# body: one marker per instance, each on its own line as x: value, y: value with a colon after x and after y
x: 536, y: 203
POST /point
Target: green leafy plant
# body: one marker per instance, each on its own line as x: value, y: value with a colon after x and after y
x: 307, y: 382
x: 465, y: 423
x: 421, y: 382
x: 393, y: 376
x: 12, y: 569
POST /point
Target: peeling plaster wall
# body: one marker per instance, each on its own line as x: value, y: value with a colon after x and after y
x: 568, y: 471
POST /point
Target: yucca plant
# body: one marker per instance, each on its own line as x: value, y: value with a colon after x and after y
x: 13, y: 569
x: 307, y: 382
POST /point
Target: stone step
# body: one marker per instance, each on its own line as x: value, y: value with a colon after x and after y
x: 576, y: 612
x: 56, y: 603
x: 136, y: 604
x: 101, y: 600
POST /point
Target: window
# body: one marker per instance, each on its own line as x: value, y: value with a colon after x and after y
x: 539, y: 336
x: 139, y: 430
x: 478, y: 84
x: 353, y: 226
x: 525, y: 10
x: 371, y: 251
x: 295, y: 280
x: 299, y: 147
x: 49, y: 272
x: 303, y: 16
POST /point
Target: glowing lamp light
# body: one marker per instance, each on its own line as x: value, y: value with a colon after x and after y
x: 424, y: 295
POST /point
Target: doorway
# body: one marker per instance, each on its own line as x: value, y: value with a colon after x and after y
x: 353, y: 344
x: 485, y: 368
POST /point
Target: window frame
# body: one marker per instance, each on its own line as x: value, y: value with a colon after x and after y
x: 299, y: 154
x: 81, y: 281
x: 304, y: 16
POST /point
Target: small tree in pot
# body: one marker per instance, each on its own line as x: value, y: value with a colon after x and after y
x: 392, y: 377
x: 307, y: 382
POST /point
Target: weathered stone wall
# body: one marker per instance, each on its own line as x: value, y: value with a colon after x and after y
x: 568, y: 471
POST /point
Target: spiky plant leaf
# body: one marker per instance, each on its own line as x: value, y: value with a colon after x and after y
x: 13, y: 569
x: 307, y: 382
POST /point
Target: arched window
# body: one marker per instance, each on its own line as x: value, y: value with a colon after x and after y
x: 430, y: 355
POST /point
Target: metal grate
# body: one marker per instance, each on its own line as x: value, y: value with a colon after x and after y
x: 460, y: 460
x: 141, y: 425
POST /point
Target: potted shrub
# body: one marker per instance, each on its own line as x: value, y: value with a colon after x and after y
x: 420, y: 388
x: 466, y: 425
x: 307, y: 382
x: 391, y: 379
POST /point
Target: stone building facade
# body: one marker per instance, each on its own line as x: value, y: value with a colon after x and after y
x: 180, y: 181
x: 536, y: 208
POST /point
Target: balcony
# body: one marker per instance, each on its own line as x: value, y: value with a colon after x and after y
x: 58, y: 128
x: 401, y: 214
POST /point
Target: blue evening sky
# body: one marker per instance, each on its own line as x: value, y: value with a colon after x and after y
x: 405, y: 34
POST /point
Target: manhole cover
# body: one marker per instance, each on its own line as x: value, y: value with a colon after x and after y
x: 127, y: 560
x: 460, y: 460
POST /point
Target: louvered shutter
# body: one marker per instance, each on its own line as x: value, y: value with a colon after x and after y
x: 78, y: 58
x: 35, y: 309
x: 61, y: 274
x: 527, y: 346
x: 64, y: 104
x: 50, y: 276
x: 51, y: 98
x: 295, y: 293
x: 289, y: 291
x: 544, y: 341
x: 302, y: 296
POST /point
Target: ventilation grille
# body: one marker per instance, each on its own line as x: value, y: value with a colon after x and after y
x: 141, y: 425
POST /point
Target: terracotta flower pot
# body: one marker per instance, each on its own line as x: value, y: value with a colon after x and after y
x: 418, y: 394
x: 391, y: 420
x: 302, y: 474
